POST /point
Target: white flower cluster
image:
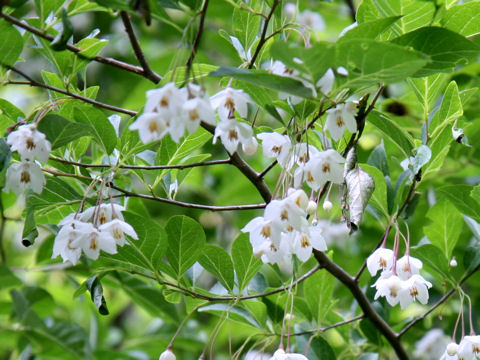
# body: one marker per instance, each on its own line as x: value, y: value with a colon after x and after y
x: 284, y: 230
x: 97, y: 228
x: 171, y: 110
x: 307, y: 17
x: 468, y: 349
x: 280, y: 354
x: 30, y: 144
x: 400, y: 281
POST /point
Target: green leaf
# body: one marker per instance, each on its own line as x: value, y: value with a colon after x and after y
x: 460, y: 196
x: 318, y: 290
x: 60, y: 41
x: 96, y: 293
x: 30, y: 232
x: 379, y: 196
x: 445, y: 48
x: 388, y: 127
x: 369, y: 29
x: 234, y: 313
x: 463, y: 19
x: 91, y: 47
x: 101, y: 128
x: 257, y: 309
x: 433, y: 258
x: 5, y: 154
x: 145, y: 254
x: 7, y: 278
x: 264, y: 79
x: 218, y: 262
x: 186, y: 239
x: 246, y: 25
x: 371, y: 62
x: 319, y: 348
x: 246, y: 265
x: 440, y: 146
x: 427, y: 90
x: 450, y: 110
x: 60, y: 131
x: 10, y: 110
x: 445, y: 227
x: 11, y: 45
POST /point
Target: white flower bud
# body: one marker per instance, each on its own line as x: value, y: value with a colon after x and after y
x: 452, y: 348
x: 327, y: 205
x: 314, y: 222
x: 290, y: 11
x: 250, y: 147
x: 311, y: 207
x: 167, y: 355
x: 453, y: 262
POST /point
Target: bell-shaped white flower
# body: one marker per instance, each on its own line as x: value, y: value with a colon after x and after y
x: 465, y: 350
x: 29, y: 143
x: 232, y: 133
x: 389, y: 287
x: 118, y: 229
x: 196, y: 110
x: 95, y: 240
x: 151, y: 126
x: 23, y: 175
x: 322, y: 167
x: 280, y: 354
x: 311, y: 19
x: 103, y: 213
x: 261, y: 230
x: 272, y: 253
x: 431, y: 346
x: 250, y: 146
x: 276, y: 146
x: 474, y: 340
x: 286, y: 213
x: 408, y: 266
x: 166, y: 100
x: 69, y: 239
x: 340, y: 118
x: 380, y: 259
x: 167, y: 355
x: 229, y: 100
x: 303, y: 152
x: 325, y: 83
x: 415, y: 288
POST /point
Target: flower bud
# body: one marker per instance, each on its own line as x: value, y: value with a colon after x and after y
x: 452, y: 348
x: 311, y: 207
x: 453, y: 262
x: 250, y: 148
x: 289, y: 11
x: 167, y: 355
x: 327, y: 205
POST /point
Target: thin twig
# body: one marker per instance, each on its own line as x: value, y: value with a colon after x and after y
x: 147, y: 71
x: 352, y: 11
x: 196, y: 42
x: 3, y: 219
x: 326, y: 328
x: 104, y: 60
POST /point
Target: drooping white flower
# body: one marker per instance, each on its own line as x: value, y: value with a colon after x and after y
x: 290, y: 11
x: 279, y: 68
x: 415, y: 288
x: 167, y: 100
x: 465, y: 350
x: 311, y: 19
x: 232, y: 133
x: 196, y: 110
x: 250, y: 147
x: 276, y: 146
x: 380, y: 259
x: 23, y: 175
x: 103, y: 213
x: 408, y: 266
x: 261, y: 230
x: 280, y: 354
x: 95, y: 240
x: 340, y: 118
x: 303, y: 152
x: 167, y: 355
x: 229, y: 100
x: 389, y: 287
x: 151, y: 126
x: 69, y: 239
x: 431, y: 345
x: 325, y: 84
x: 286, y: 213
x: 29, y: 143
x: 118, y: 228
x: 272, y: 253
x: 257, y: 355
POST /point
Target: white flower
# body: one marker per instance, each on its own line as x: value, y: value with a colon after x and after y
x: 257, y: 355
x: 167, y: 355
x: 465, y: 350
x: 431, y: 345
x: 118, y: 228
x: 276, y: 146
x: 321, y: 167
x: 151, y: 126
x: 103, y: 213
x: 311, y: 19
x: 261, y: 230
x: 415, y: 288
x: 408, y: 266
x: 286, y: 213
x: 342, y: 71
x: 325, y: 84
x: 94, y: 240
x: 68, y: 241
x: 196, y: 110
x: 232, y: 132
x: 290, y: 11
x: 341, y: 118
x: 29, y: 143
x: 250, y: 147
x: 380, y: 259
x: 281, y: 355
x: 303, y: 152
x: 228, y: 100
x: 279, y: 68
x: 166, y: 100
x: 389, y: 287
x: 23, y: 175
x: 273, y: 253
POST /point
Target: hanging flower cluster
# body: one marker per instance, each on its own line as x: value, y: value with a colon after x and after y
x: 280, y: 354
x: 400, y: 280
x: 97, y: 228
x: 30, y: 144
x: 468, y: 349
x: 172, y: 110
x: 284, y: 230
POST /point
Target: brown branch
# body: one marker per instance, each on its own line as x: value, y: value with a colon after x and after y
x: 264, y: 34
x: 326, y: 328
x: 437, y: 304
x: 363, y: 302
x: 196, y: 42
x: 147, y: 71
x: 33, y: 82
x: 104, y: 60
x: 351, y: 9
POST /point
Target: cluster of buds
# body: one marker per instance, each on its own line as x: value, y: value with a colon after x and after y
x: 400, y: 280
x: 97, y: 228
x: 284, y: 230
x: 30, y: 144
x: 468, y: 349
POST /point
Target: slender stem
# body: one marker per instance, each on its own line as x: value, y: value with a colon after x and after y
x: 263, y: 38
x: 326, y: 328
x: 196, y: 42
x: 351, y: 8
x: 3, y: 219
x: 147, y: 71
x: 32, y: 82
x: 104, y: 60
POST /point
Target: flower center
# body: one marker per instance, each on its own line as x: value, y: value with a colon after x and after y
x: 230, y: 104
x: 25, y: 177
x: 304, y: 158
x: 193, y: 114
x: 393, y: 292
x: 475, y: 348
x: 152, y: 126
x: 266, y: 231
x: 284, y: 215
x: 273, y: 247
x: 382, y: 262
x: 164, y: 101
x: 304, y: 241
x: 70, y: 243
x: 232, y: 135
x: 413, y: 291
x: 289, y: 228
x: 326, y: 168
x: 102, y: 218
x: 93, y: 241
x: 276, y: 149
x: 340, y: 122
x: 310, y: 177
x: 30, y: 144
x: 117, y: 233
